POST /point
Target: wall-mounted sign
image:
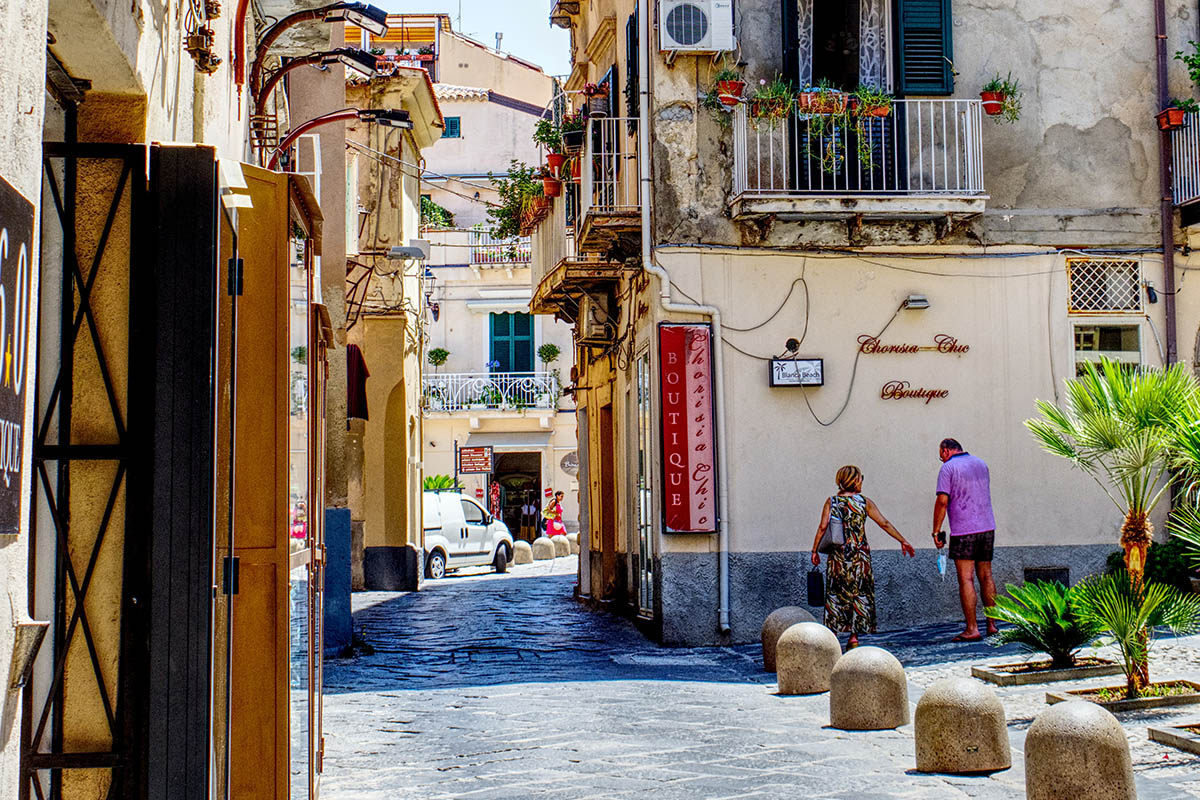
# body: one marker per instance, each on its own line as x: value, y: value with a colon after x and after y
x: 942, y: 343
x: 475, y: 459
x: 16, y: 252
x: 902, y: 390
x: 689, y: 452
x: 797, y: 372
x: 570, y: 463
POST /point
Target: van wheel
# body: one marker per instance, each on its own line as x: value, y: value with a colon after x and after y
x: 435, y: 567
x: 501, y: 561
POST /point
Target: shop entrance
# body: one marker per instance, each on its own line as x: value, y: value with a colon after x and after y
x: 520, y: 479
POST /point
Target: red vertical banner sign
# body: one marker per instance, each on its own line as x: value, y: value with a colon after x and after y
x: 688, y: 446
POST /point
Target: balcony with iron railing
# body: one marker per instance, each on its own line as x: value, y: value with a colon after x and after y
x: 494, y: 391
x: 1185, y: 153
x: 923, y: 160
x: 489, y: 251
x: 610, y: 186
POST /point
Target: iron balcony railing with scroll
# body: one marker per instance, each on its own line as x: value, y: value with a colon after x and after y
x: 458, y: 391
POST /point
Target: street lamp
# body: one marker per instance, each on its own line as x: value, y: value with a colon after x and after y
x: 427, y: 282
x: 357, y: 60
x: 366, y: 16
x: 388, y: 117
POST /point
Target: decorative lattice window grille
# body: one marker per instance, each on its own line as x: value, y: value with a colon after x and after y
x: 1104, y: 286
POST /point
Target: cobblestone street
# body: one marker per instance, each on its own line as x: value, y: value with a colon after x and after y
x: 501, y: 686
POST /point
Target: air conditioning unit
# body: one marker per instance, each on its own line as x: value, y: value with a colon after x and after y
x: 696, y: 26
x: 593, y: 326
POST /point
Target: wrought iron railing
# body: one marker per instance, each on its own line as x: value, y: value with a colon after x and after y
x: 1185, y: 149
x: 921, y: 148
x: 487, y: 250
x: 455, y: 391
x: 610, y: 181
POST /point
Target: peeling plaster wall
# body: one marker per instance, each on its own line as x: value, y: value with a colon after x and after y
x: 1079, y: 168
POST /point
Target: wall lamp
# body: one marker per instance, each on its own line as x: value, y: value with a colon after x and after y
x: 353, y: 58
x: 417, y: 249
x: 427, y: 282
x: 915, y: 301
x: 365, y: 16
x: 389, y: 117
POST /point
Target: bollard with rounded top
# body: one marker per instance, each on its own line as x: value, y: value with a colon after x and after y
x: 522, y: 552
x: 561, y: 546
x: 804, y: 656
x: 1077, y: 751
x: 773, y: 627
x: 960, y: 729
x: 543, y: 549
x: 868, y: 691
x: 573, y: 540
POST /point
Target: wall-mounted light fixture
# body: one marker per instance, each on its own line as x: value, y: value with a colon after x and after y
x: 27, y: 637
x: 390, y: 117
x: 915, y: 301
x: 353, y: 58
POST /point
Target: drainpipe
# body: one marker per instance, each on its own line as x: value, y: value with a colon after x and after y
x: 1167, y: 202
x: 671, y: 306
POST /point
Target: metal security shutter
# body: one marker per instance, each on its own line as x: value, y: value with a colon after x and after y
x: 925, y: 49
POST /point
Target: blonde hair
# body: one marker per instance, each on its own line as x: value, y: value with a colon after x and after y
x: 849, y: 478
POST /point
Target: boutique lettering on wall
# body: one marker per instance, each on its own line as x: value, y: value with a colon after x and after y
x: 903, y: 390
x: 689, y: 453
x: 16, y: 253
x: 942, y: 343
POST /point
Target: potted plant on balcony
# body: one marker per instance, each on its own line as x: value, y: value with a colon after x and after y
x: 1002, y: 98
x: 730, y: 85
x: 572, y: 132
x: 772, y: 101
x: 437, y: 356
x: 516, y: 192
x: 549, y: 136
x: 551, y: 185
x: 597, y: 99
x: 1174, y: 115
x: 868, y: 101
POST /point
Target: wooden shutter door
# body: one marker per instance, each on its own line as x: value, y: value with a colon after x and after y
x: 924, y: 46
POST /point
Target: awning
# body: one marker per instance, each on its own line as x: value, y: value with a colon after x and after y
x: 500, y: 305
x: 517, y: 440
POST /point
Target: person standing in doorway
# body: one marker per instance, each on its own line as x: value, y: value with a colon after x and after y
x: 553, y: 515
x: 964, y: 494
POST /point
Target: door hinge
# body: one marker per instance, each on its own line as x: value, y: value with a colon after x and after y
x: 229, y: 575
x: 235, y: 277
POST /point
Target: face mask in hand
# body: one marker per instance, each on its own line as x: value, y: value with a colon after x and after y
x: 941, y: 565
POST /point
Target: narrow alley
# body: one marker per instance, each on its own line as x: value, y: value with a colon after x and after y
x: 502, y: 686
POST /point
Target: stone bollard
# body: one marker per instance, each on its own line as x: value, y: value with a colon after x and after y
x: 1077, y: 751
x: 868, y: 691
x: 561, y: 546
x: 960, y: 729
x: 773, y: 627
x: 573, y: 540
x: 804, y: 656
x: 522, y: 552
x: 543, y: 549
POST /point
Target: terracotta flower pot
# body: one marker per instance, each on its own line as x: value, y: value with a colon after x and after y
x: 576, y: 168
x: 993, y: 102
x: 1170, y: 118
x: 805, y: 100
x: 555, y: 161
x: 828, y: 104
x: 729, y: 92
x: 551, y: 187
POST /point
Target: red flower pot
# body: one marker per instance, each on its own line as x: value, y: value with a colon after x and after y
x: 575, y: 168
x: 729, y: 92
x: 1170, y: 118
x: 555, y: 161
x: 551, y: 187
x: 993, y: 102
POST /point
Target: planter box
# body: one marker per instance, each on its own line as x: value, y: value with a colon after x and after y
x: 999, y: 675
x: 1130, y: 705
x: 1178, y: 736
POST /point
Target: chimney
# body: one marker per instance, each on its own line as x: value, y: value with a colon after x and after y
x: 499, y: 38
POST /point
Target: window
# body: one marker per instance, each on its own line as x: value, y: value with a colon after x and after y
x: 472, y: 513
x: 1121, y: 343
x: 512, y: 343
x: 1104, y: 286
x: 453, y: 129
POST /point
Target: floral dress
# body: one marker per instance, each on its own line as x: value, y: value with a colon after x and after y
x: 850, y: 589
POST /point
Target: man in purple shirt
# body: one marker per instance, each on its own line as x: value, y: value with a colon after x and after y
x: 964, y: 493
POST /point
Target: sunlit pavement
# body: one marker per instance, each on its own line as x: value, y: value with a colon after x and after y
x: 502, y: 686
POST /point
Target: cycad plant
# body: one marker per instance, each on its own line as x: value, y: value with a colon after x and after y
x: 1119, y: 427
x: 1129, y: 612
x: 1043, y: 620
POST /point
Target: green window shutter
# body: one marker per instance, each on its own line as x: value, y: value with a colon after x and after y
x: 452, y: 129
x: 512, y: 343
x: 925, y: 47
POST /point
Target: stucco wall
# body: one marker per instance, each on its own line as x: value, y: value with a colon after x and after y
x: 463, y: 62
x: 22, y: 28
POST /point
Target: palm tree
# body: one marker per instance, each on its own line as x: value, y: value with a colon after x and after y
x: 1119, y: 427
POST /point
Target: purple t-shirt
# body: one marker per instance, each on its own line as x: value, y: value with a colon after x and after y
x: 964, y: 478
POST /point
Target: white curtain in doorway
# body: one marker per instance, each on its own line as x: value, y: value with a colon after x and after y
x: 874, y: 18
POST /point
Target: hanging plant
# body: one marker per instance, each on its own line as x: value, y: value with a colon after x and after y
x: 1002, y: 98
x: 772, y: 101
x: 516, y: 191
x: 572, y: 133
x: 729, y: 85
x: 827, y: 116
x: 1174, y: 115
x: 866, y: 105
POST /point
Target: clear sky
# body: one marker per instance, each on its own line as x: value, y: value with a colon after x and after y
x: 524, y: 23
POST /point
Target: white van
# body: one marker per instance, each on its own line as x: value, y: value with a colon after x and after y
x: 461, y: 533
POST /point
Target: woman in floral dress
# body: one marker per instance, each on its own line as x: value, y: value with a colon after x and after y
x: 849, y: 580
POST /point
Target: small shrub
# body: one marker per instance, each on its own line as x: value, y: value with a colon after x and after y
x: 1043, y: 620
x: 437, y: 356
x: 434, y: 482
x: 548, y: 352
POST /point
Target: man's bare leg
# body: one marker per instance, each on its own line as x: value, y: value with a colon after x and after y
x: 987, y: 588
x: 965, y: 568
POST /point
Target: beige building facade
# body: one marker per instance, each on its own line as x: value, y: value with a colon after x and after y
x: 946, y: 278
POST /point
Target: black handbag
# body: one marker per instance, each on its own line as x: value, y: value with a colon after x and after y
x: 816, y: 588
